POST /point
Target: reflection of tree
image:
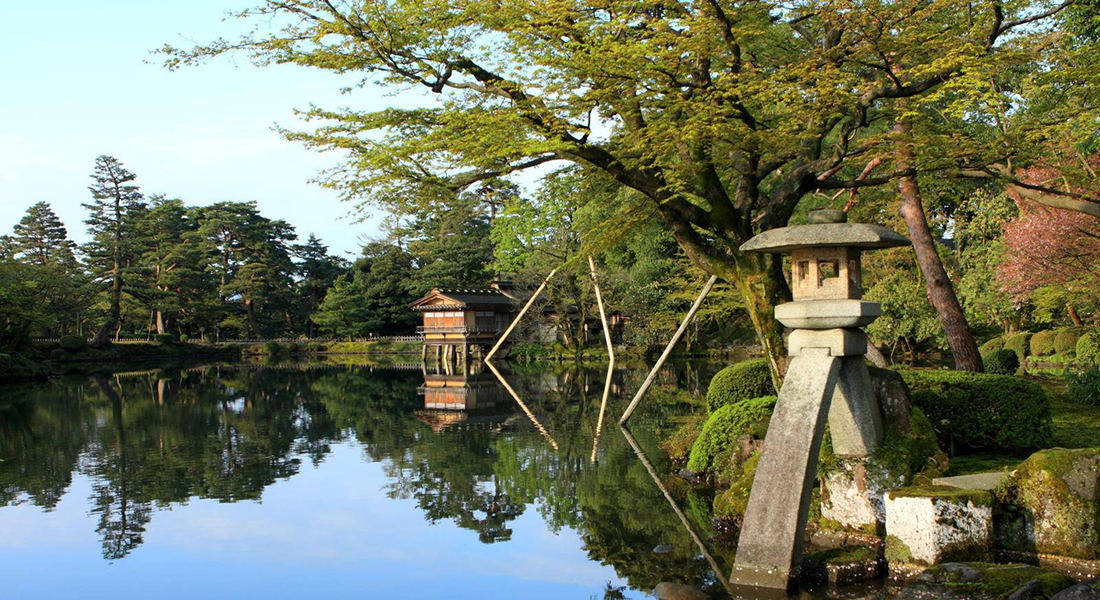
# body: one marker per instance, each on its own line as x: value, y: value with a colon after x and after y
x: 40, y: 443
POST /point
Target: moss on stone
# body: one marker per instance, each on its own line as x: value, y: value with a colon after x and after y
x: 999, y: 581
x: 732, y: 503
x: 897, y: 551
x: 944, y: 492
x: 1052, y: 504
x: 679, y: 444
x: 844, y: 556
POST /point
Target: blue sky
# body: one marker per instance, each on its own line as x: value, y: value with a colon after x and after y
x: 77, y: 80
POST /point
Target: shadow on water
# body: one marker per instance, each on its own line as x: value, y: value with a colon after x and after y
x: 473, y: 448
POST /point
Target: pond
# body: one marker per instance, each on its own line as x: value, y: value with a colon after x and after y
x: 366, y: 480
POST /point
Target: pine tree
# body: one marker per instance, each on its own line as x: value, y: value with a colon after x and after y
x: 111, y: 219
x: 41, y: 238
x: 173, y: 278
x: 317, y: 272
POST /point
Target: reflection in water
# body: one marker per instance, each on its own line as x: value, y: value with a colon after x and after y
x: 456, y: 445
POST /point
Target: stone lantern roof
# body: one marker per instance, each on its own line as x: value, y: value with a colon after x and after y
x: 827, y: 229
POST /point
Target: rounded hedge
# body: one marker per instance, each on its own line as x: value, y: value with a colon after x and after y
x: 59, y: 354
x: 166, y: 338
x: 725, y: 425
x: 982, y: 411
x: 1042, y: 343
x: 1084, y: 387
x: 1019, y: 343
x: 73, y: 343
x: 210, y: 338
x: 740, y: 382
x: 993, y: 345
x: 1066, y: 340
x: 1001, y: 362
x: 1088, y: 348
x: 271, y: 348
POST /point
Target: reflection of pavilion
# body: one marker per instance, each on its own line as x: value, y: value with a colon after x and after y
x: 459, y: 397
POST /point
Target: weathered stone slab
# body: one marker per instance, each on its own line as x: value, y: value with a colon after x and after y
x: 855, y: 420
x: 770, y: 545
x: 840, y: 342
x: 678, y: 591
x: 975, y: 481
x: 984, y: 581
x: 827, y: 314
x: 1090, y: 590
x: 854, y: 494
x: 932, y: 524
x: 856, y: 235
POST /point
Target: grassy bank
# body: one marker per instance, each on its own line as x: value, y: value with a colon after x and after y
x: 293, y: 348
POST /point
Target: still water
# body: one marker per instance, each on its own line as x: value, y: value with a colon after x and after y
x: 345, y: 481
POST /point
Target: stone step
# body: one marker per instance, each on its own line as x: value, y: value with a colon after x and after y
x: 974, y: 481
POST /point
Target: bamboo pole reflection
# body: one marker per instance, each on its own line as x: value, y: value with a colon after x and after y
x: 679, y: 513
x: 527, y: 411
x: 610, y: 357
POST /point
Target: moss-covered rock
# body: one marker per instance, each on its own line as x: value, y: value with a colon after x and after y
x: 1051, y: 504
x: 730, y: 505
x: 723, y: 428
x: 984, y: 581
x: 678, y: 445
x: 980, y: 411
x: 740, y: 382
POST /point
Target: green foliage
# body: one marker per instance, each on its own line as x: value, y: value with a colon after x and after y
x: 166, y: 338
x: 993, y: 345
x: 1001, y: 362
x: 1042, y: 343
x: 678, y: 445
x: 1088, y: 348
x: 1020, y: 344
x: 978, y: 230
x: 1066, y: 340
x: 738, y: 383
x: 73, y: 343
x: 183, y: 338
x: 373, y: 298
x: 907, y: 319
x: 724, y: 426
x: 972, y: 411
x: 1084, y: 387
x: 271, y: 348
x: 210, y: 338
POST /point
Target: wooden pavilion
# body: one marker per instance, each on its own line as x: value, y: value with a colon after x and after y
x: 457, y: 322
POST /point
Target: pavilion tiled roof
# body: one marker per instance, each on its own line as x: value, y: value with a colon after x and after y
x: 462, y: 298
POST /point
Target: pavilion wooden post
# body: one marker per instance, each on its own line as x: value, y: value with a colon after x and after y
x: 610, y: 356
x: 668, y: 350
x: 515, y: 321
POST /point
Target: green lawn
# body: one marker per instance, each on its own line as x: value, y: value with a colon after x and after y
x: 1075, y: 426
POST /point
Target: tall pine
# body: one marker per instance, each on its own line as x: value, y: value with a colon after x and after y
x: 116, y: 202
x: 41, y: 238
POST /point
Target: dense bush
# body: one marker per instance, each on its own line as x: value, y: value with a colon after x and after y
x: 993, y: 345
x: 1084, y: 387
x: 1002, y: 362
x: 1066, y: 340
x: 166, y: 338
x: 184, y: 338
x: 59, y: 354
x: 210, y: 338
x: 271, y: 348
x: 1042, y: 343
x: 1088, y: 348
x: 740, y: 382
x: 973, y: 410
x: 725, y: 425
x: 1019, y: 343
x: 73, y: 343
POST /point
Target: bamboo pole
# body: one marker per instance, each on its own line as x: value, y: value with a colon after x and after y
x: 668, y: 350
x: 515, y: 321
x: 610, y: 355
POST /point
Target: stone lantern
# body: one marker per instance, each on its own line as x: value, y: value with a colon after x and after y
x: 827, y: 381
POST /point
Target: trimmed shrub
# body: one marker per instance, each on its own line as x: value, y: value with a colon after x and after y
x: 982, y: 411
x: 165, y: 338
x: 73, y: 343
x: 1066, y: 340
x: 1042, y: 343
x: 317, y: 347
x: 1088, y: 348
x: 1019, y: 343
x: 740, y: 382
x: 993, y: 345
x: 1084, y: 387
x: 271, y: 348
x: 210, y: 338
x: 184, y: 338
x: 59, y: 354
x: 291, y: 347
x: 1002, y: 362
x: 725, y: 425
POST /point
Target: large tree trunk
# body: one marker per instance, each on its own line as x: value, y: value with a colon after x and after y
x: 940, y: 291
x: 762, y: 285
x: 114, y: 313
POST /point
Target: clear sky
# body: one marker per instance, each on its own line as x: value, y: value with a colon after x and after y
x: 77, y: 80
